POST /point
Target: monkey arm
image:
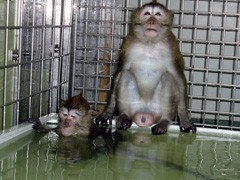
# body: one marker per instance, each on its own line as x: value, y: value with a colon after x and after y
x: 39, y: 127
x: 185, y: 124
x: 106, y: 117
x: 113, y: 98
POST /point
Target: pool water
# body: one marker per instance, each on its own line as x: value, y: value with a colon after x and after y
x: 132, y: 154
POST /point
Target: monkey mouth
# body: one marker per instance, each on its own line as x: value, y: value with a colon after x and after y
x: 66, y: 124
x: 151, y: 29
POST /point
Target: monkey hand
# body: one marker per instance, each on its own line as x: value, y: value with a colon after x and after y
x: 104, y: 119
x: 37, y: 126
x: 187, y: 126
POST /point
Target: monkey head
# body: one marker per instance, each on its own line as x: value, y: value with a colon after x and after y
x: 151, y: 22
x: 75, y: 117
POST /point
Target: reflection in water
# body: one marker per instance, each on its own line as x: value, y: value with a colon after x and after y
x: 73, y: 149
x: 110, y: 154
x: 150, y: 157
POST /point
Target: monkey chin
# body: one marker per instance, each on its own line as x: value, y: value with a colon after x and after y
x: 72, y: 131
x: 67, y: 131
x: 151, y: 32
x: 144, y: 119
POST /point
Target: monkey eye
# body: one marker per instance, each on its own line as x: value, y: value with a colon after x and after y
x: 147, y: 13
x: 158, y: 14
x: 73, y: 116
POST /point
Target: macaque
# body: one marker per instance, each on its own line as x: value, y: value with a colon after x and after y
x: 75, y: 117
x: 150, y: 87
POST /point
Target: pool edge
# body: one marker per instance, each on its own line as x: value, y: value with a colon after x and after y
x: 22, y: 129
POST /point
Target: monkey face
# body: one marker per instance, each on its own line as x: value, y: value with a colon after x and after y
x: 70, y: 120
x: 153, y: 21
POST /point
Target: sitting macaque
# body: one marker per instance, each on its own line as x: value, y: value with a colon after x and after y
x: 150, y: 87
x: 75, y: 117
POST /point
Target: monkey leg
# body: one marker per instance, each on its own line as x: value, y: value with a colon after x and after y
x: 166, y: 98
x: 129, y: 101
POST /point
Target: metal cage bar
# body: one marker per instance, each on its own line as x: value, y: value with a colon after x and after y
x: 34, y: 66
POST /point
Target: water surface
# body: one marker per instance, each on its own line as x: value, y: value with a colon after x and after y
x: 132, y: 154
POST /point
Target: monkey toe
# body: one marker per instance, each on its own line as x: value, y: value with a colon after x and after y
x: 123, y: 122
x: 160, y: 128
x: 187, y: 127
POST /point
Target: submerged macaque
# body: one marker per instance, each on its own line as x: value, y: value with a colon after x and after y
x: 150, y: 87
x: 75, y: 117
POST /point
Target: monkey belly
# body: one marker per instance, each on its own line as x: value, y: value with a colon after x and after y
x: 147, y: 105
x: 147, y: 70
x: 147, y: 80
x: 143, y: 119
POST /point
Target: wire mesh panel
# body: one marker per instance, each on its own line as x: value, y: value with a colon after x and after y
x: 34, y: 57
x: 208, y: 34
x: 99, y: 34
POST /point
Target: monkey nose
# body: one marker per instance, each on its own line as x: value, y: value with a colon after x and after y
x: 143, y: 119
x: 151, y: 20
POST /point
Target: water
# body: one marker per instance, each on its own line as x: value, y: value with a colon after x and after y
x: 132, y: 154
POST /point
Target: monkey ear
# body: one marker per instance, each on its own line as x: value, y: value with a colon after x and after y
x: 93, y: 112
x: 154, y: 1
x: 62, y: 102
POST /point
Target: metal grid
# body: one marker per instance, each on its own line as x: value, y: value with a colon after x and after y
x: 208, y: 34
x: 35, y: 44
x: 50, y: 49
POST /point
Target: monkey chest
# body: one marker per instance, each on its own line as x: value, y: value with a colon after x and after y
x: 147, y: 73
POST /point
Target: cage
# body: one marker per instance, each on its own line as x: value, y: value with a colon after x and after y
x: 54, y: 49
x: 51, y: 50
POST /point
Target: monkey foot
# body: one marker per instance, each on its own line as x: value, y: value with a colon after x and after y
x: 123, y: 122
x: 104, y: 119
x: 187, y: 127
x: 160, y: 128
